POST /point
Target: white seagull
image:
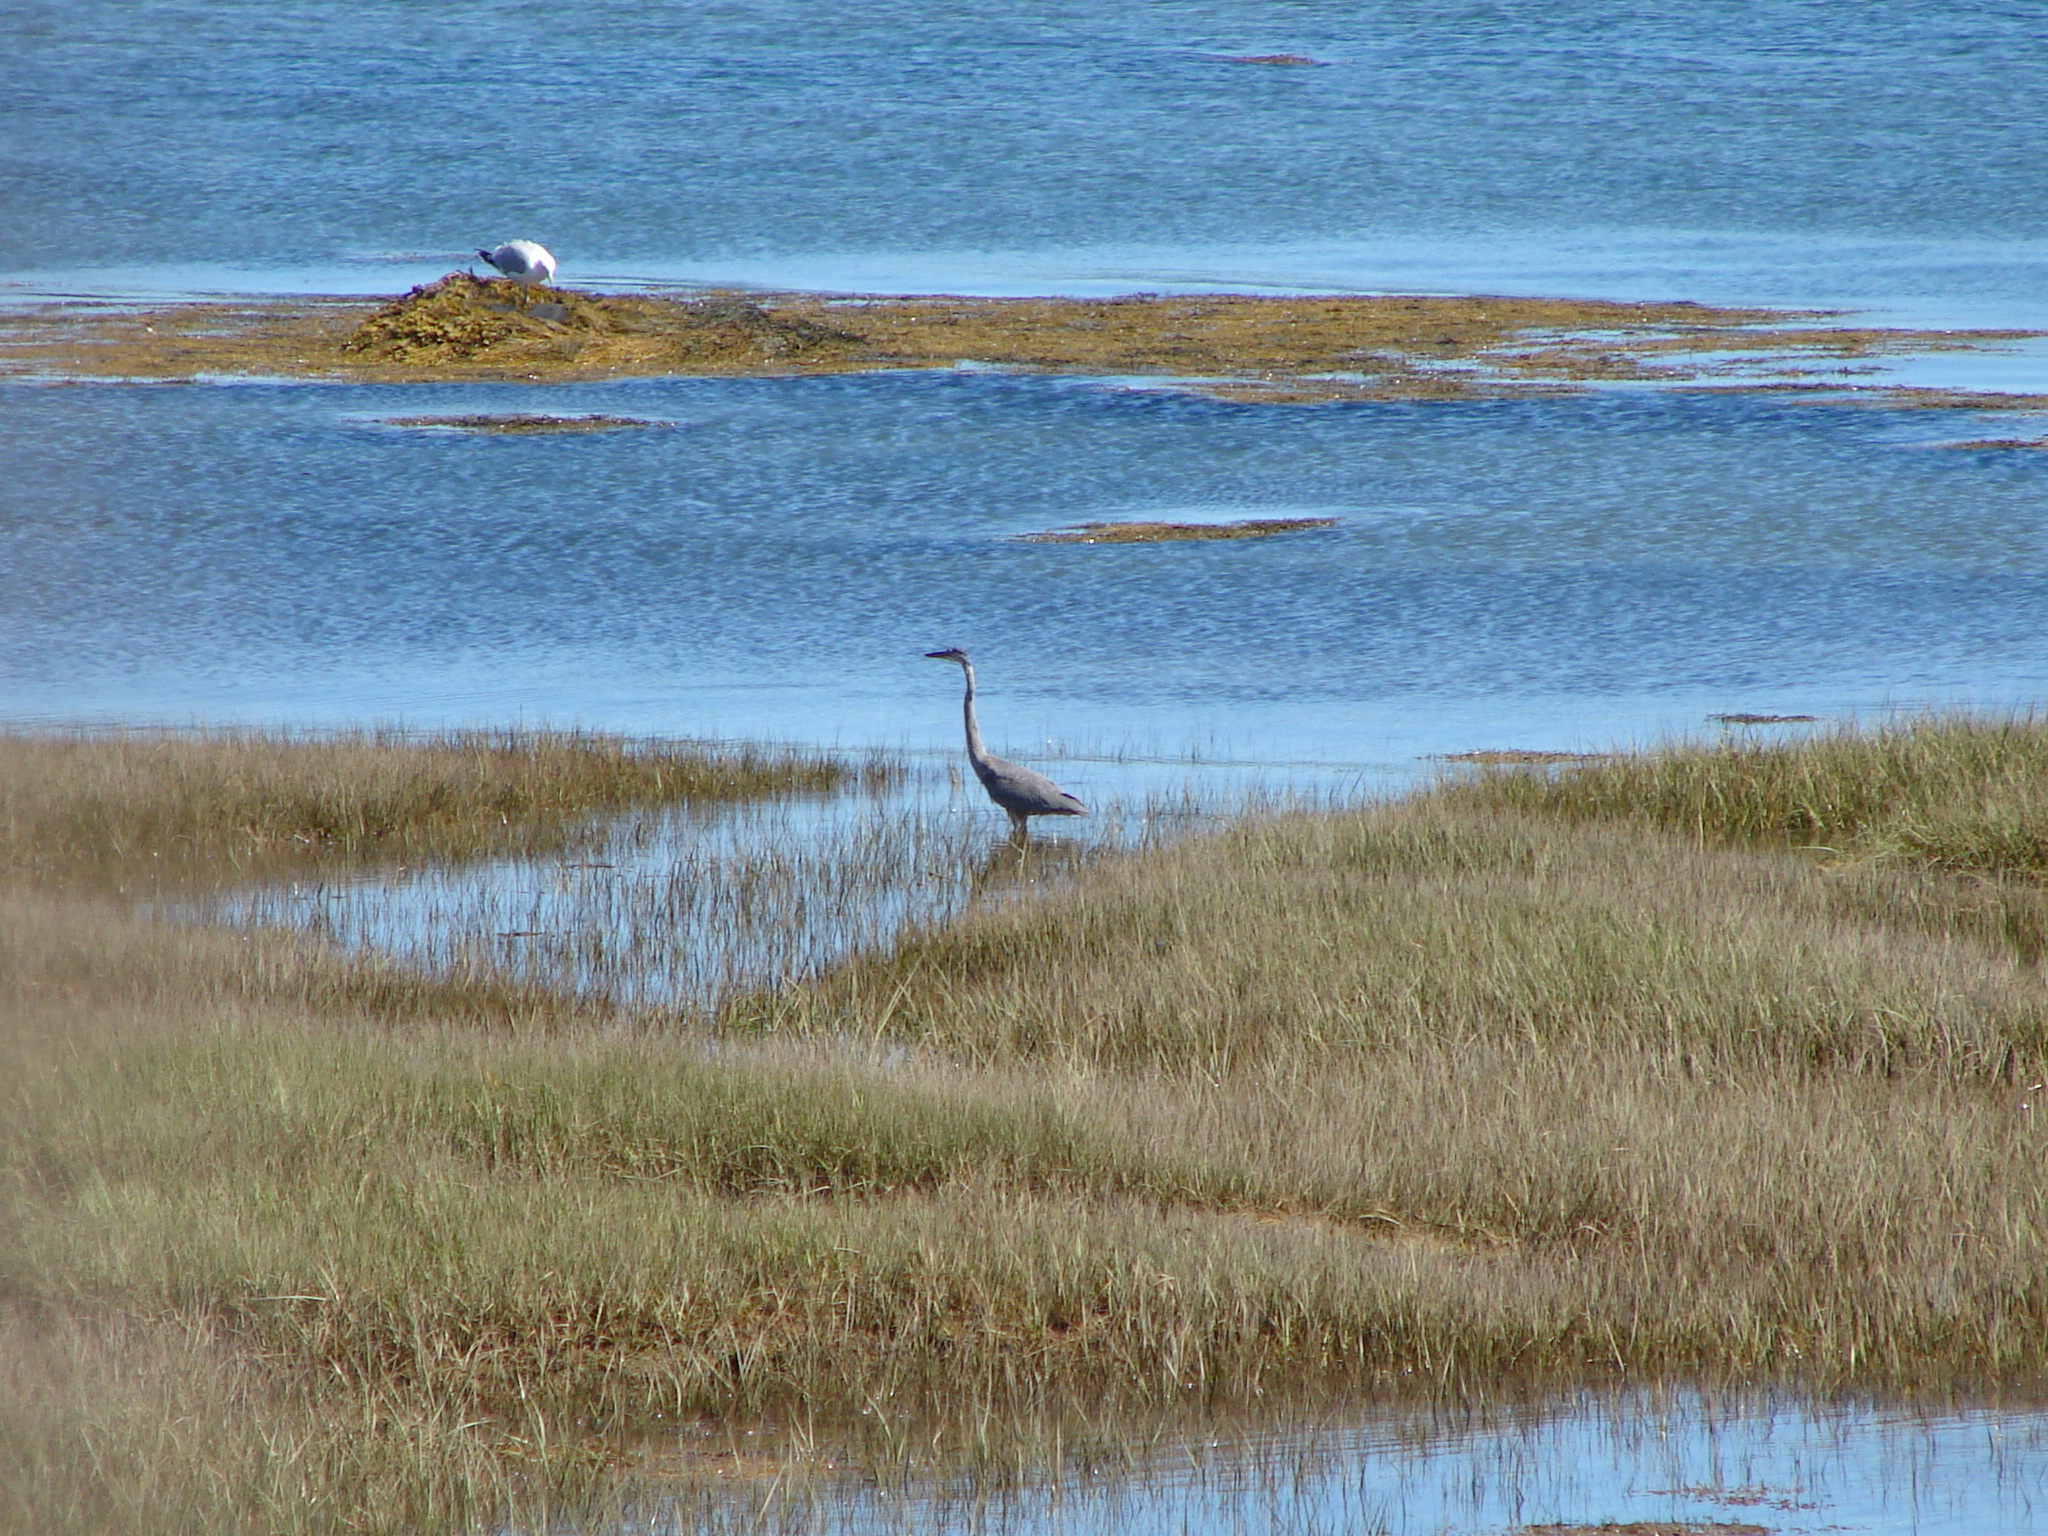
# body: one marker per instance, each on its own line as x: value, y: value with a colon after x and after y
x: 524, y: 262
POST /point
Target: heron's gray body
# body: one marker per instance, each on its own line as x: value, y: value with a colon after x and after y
x: 1022, y: 792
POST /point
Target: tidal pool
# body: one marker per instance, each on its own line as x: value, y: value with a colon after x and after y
x: 679, y: 910
x: 1601, y: 1462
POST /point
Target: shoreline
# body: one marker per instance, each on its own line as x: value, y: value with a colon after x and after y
x: 1278, y: 350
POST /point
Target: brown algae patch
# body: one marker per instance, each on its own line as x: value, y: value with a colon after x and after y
x: 2021, y: 443
x: 1171, y: 533
x: 1270, y: 350
x: 1505, y: 756
x: 296, y: 338
x: 1910, y: 397
x: 521, y: 425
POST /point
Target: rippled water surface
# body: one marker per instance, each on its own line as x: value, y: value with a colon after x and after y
x: 1786, y: 150
x: 775, y: 559
x: 1544, y: 573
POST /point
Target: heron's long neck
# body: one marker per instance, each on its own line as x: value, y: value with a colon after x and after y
x: 975, y: 750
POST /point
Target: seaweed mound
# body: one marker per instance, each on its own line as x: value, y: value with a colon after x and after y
x: 462, y: 318
x: 483, y: 326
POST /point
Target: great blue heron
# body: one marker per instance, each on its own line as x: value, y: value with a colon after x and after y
x: 1021, y: 791
x: 522, y: 261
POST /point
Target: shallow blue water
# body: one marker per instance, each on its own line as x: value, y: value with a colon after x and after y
x: 1549, y: 574
x: 1797, y: 1469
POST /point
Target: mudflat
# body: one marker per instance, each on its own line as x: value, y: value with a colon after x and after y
x: 1293, y: 349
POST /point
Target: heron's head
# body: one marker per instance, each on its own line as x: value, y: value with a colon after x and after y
x: 950, y: 653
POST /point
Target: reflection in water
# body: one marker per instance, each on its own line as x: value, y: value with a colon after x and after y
x: 1768, y: 1464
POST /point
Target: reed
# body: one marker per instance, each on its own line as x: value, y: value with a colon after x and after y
x: 1528, y: 1080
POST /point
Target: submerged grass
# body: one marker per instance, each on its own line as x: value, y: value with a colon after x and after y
x: 524, y: 423
x: 1548, y: 1075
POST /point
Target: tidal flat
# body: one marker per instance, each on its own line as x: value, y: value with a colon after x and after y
x: 1716, y: 1065
x: 1280, y: 350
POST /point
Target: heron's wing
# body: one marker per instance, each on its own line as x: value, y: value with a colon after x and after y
x: 1017, y: 788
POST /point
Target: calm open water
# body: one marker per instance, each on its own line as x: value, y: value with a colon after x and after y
x: 771, y: 561
x: 1777, y: 150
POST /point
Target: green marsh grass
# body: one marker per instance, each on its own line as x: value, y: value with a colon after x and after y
x: 1956, y: 793
x: 141, y: 803
x: 1513, y: 1083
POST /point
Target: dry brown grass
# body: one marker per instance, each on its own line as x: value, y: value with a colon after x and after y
x: 1495, y: 1085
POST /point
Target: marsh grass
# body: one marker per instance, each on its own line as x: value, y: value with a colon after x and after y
x: 1955, y: 793
x: 219, y: 803
x: 1939, y: 821
x: 1546, y: 1076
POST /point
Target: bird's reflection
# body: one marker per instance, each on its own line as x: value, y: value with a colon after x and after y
x: 1016, y: 864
